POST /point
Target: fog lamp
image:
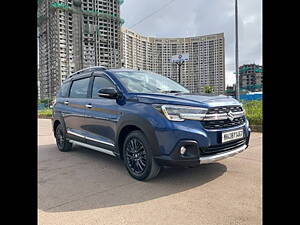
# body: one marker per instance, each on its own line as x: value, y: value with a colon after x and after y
x: 182, y: 150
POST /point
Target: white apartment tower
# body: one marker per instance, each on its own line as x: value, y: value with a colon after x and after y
x: 206, y: 58
x: 75, y: 34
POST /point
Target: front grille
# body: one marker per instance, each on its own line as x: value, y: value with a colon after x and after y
x: 224, y: 109
x: 224, y: 123
x: 216, y: 124
x: 222, y: 147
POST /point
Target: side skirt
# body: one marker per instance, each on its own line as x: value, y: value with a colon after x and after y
x: 93, y: 147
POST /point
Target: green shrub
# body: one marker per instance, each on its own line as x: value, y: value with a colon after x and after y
x: 45, y: 112
x: 253, y: 111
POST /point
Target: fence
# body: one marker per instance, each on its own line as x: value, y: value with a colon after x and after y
x: 249, y: 97
x: 41, y: 106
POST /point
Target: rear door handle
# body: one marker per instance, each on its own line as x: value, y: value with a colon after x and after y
x: 66, y: 102
x: 88, y: 106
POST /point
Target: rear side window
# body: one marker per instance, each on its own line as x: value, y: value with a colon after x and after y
x: 79, y: 88
x: 64, y: 90
x: 100, y: 83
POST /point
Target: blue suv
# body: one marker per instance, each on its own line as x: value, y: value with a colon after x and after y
x: 146, y: 120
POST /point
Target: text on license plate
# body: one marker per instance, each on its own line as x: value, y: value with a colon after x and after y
x: 232, y: 135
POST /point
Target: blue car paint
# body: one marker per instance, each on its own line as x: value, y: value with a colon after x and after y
x: 169, y: 133
x: 103, y: 122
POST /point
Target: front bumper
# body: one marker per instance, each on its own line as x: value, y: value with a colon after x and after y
x: 221, y: 155
x: 197, y: 156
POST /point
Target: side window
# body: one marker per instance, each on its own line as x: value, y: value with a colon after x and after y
x: 79, y: 88
x: 100, y: 83
x: 63, y: 92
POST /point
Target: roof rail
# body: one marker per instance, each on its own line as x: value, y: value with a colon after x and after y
x: 92, y: 68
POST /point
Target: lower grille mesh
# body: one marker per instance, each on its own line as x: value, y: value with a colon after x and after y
x: 222, y: 147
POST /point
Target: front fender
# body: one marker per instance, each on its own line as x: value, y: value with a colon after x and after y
x: 144, y: 125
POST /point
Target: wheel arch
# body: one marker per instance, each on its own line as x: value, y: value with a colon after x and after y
x: 55, y: 125
x: 56, y: 121
x: 130, y: 123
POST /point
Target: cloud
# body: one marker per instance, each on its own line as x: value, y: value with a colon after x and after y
x: 201, y: 17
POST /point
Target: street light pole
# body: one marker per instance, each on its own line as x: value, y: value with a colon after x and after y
x: 237, y: 92
x: 179, y: 70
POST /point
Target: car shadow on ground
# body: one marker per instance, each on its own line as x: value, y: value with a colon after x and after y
x: 84, y: 179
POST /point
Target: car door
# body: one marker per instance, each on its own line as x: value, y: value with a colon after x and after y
x: 102, y: 114
x: 61, y: 106
x: 75, y: 116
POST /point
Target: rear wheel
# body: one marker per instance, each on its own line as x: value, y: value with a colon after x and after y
x: 138, y: 157
x: 61, y: 142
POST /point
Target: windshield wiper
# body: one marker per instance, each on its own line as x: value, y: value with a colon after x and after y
x: 171, y: 91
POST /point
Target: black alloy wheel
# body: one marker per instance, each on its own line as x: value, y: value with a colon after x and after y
x: 138, y: 157
x: 61, y: 142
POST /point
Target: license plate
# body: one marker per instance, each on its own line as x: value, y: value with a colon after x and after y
x: 232, y: 135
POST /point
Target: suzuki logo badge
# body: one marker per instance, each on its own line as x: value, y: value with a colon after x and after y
x: 230, y: 116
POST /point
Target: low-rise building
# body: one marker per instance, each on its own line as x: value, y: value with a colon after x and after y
x: 250, y: 78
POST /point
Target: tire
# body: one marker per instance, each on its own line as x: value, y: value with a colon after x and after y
x: 61, y: 142
x: 138, y: 157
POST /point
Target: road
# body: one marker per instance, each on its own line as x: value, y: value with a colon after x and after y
x: 86, y: 187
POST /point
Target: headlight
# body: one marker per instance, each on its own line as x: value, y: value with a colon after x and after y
x: 180, y: 113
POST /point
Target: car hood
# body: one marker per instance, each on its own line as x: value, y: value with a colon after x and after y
x: 188, y: 99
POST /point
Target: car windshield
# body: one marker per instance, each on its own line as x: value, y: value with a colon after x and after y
x: 148, y: 82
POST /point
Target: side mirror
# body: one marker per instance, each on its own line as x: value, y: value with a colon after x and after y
x: 108, y: 93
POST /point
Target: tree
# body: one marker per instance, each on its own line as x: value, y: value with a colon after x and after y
x: 208, y: 89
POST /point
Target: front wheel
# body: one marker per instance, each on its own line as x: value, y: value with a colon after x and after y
x: 138, y: 157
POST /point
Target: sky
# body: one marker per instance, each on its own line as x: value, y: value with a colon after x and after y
x: 202, y: 17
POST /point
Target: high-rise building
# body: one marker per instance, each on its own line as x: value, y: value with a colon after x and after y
x: 250, y: 77
x: 75, y: 34
x: 206, y: 58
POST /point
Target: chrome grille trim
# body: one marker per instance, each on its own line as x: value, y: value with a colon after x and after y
x: 224, y: 117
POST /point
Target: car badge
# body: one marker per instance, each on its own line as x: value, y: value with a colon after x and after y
x: 230, y: 116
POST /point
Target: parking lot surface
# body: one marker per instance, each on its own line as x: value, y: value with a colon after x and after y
x: 86, y: 187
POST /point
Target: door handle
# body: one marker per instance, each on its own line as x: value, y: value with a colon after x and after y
x: 66, y: 102
x: 88, y: 106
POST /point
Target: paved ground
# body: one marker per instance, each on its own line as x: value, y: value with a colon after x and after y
x: 87, y: 187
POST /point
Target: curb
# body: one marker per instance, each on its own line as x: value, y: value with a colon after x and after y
x: 256, y: 128
x: 44, y: 117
